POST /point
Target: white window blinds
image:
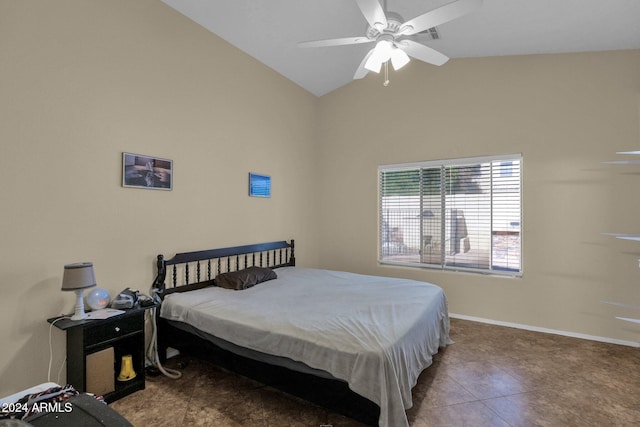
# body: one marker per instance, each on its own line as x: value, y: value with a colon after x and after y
x: 460, y: 214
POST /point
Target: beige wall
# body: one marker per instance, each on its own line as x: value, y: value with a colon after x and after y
x: 81, y: 82
x: 565, y: 114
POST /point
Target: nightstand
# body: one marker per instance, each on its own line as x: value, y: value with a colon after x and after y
x: 95, y: 349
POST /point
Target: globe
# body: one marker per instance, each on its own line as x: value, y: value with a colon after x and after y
x: 98, y: 298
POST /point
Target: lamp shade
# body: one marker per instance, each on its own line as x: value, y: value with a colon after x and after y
x: 399, y: 58
x: 78, y: 276
x: 381, y: 54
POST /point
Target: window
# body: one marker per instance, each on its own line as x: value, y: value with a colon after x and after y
x: 459, y: 214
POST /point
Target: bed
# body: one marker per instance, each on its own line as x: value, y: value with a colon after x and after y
x: 370, y: 335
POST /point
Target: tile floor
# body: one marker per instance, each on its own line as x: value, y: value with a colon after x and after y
x: 491, y: 376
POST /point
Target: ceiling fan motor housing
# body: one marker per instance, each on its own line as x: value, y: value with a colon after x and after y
x: 394, y: 22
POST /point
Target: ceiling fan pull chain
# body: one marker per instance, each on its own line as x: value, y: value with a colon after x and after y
x: 386, y: 74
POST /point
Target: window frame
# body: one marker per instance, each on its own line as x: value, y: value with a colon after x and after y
x: 510, y: 159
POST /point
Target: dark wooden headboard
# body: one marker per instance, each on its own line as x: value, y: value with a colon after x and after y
x: 195, y: 270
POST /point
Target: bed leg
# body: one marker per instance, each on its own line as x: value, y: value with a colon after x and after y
x: 161, y: 341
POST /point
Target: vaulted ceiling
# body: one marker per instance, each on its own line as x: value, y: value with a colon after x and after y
x: 270, y: 30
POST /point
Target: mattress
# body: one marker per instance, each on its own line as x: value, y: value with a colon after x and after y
x: 375, y: 333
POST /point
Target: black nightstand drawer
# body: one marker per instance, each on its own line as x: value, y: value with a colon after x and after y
x: 110, y: 329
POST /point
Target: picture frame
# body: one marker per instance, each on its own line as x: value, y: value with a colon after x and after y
x: 259, y: 185
x: 148, y: 172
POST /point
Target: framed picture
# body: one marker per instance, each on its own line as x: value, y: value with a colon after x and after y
x: 140, y: 171
x: 259, y: 185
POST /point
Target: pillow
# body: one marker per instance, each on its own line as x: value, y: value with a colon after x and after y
x: 244, y: 279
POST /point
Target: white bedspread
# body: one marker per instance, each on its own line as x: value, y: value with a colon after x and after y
x: 376, y: 333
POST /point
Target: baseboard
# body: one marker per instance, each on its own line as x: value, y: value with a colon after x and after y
x: 545, y: 330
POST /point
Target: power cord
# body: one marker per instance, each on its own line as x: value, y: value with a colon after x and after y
x: 51, y: 350
x: 152, y: 349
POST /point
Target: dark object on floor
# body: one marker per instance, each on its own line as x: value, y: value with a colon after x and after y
x: 152, y: 371
x: 86, y: 411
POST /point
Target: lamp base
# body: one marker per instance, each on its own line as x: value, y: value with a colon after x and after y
x: 80, y: 316
x: 79, y: 309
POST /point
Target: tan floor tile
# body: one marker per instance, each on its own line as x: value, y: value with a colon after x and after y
x: 536, y: 409
x: 226, y: 410
x: 471, y: 414
x: 491, y: 376
x: 288, y: 411
x: 536, y: 372
x: 485, y: 380
x: 141, y: 407
x: 336, y: 420
x: 602, y: 406
x: 440, y: 390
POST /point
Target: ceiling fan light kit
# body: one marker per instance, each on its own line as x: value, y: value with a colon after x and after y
x: 381, y: 53
x: 391, y: 35
x: 384, y: 51
x: 399, y: 58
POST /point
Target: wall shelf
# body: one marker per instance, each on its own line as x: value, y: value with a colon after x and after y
x: 623, y: 162
x: 628, y: 319
x: 625, y: 236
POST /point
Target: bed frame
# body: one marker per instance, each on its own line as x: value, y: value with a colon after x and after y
x: 216, y: 261
x: 196, y: 270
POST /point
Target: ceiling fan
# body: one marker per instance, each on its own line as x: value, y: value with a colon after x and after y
x: 392, y: 35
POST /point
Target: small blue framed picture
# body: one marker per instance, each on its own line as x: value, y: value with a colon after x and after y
x: 259, y: 185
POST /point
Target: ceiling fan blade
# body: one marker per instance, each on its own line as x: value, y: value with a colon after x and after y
x: 422, y: 52
x: 373, y: 13
x: 439, y: 16
x: 361, y: 71
x: 335, y: 42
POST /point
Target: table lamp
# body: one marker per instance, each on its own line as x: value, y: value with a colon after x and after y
x: 78, y: 277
